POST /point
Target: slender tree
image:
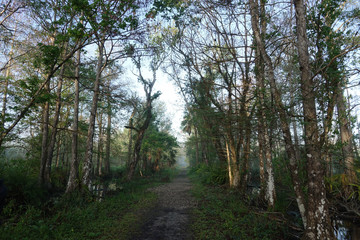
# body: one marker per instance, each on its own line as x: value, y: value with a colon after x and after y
x: 74, y: 181
x: 318, y: 224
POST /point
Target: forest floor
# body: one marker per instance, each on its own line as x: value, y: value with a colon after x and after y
x: 170, y: 218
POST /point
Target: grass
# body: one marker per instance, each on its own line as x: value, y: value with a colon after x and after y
x: 118, y: 216
x: 221, y: 214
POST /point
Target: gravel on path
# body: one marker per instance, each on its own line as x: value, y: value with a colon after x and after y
x: 171, y: 218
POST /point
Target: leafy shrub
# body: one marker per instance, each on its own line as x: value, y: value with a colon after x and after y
x: 339, y: 186
x: 221, y: 214
x: 212, y: 174
x: 20, y: 178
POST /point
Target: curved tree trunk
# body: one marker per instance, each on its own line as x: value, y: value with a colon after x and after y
x: 138, y: 142
x: 148, y: 87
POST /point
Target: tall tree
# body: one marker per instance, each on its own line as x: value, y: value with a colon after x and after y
x: 290, y: 149
x: 108, y: 19
x: 45, y: 54
x: 148, y: 85
x: 263, y: 135
x: 318, y: 224
x: 108, y: 129
x: 87, y: 166
x: 74, y: 181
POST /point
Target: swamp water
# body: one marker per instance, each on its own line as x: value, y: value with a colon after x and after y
x: 346, y: 230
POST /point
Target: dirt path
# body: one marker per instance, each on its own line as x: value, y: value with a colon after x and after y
x: 170, y: 219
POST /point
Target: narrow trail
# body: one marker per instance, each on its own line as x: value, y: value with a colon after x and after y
x: 171, y: 218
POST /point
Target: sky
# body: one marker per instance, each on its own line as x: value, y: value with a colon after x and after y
x: 173, y: 101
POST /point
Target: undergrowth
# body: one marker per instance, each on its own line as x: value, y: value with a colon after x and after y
x: 221, y: 214
x: 214, y: 174
x: 78, y: 216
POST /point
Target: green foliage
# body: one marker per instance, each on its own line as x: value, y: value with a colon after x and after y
x: 78, y: 216
x: 174, y: 9
x: 222, y: 215
x: 341, y: 188
x: 28, y: 86
x: 355, y: 191
x: 108, y: 17
x: 20, y: 177
x: 214, y: 174
x: 49, y: 55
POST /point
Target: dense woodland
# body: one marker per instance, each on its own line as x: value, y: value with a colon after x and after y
x: 268, y: 89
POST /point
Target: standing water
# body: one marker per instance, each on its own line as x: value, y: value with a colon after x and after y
x: 346, y: 230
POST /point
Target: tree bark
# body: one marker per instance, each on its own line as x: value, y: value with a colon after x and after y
x: 285, y: 127
x: 130, y: 145
x: 87, y: 166
x: 233, y: 155
x: 346, y: 137
x: 318, y: 219
x: 6, y: 86
x: 244, y: 168
x: 100, y: 145
x: 58, y: 148
x: 45, y: 139
x: 108, y: 134
x: 138, y: 142
x: 51, y: 147
x: 265, y: 155
x: 261, y: 154
x: 197, y: 155
x: 148, y: 87
x: 73, y: 181
x: 233, y: 164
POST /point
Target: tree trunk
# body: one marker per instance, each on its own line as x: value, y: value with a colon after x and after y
x: 6, y: 86
x: 204, y: 154
x: 100, y: 146
x: 285, y: 127
x: 138, y: 142
x: 148, y: 87
x: 318, y: 219
x: 267, y: 181
x: 87, y: 166
x: 58, y: 153
x: 45, y: 139
x: 244, y: 168
x: 130, y: 148
x: 73, y: 181
x: 261, y: 154
x: 346, y: 137
x: 51, y: 147
x: 197, y: 155
x: 108, y: 135
x: 4, y: 107
x: 233, y: 165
